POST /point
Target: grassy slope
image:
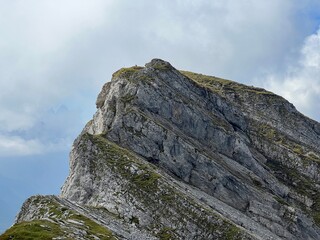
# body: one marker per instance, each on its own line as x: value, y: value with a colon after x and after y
x: 59, y: 222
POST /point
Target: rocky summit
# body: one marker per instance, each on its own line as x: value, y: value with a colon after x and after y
x: 173, y: 154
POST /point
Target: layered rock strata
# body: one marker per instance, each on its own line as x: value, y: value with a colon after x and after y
x: 176, y: 155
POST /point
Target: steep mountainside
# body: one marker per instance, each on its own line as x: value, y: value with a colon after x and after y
x: 176, y: 155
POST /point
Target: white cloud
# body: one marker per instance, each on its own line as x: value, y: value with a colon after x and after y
x: 311, y: 52
x: 61, y: 52
x: 233, y: 39
x: 300, y: 84
x: 18, y: 146
x: 35, y: 37
x: 35, y: 40
x: 45, y: 26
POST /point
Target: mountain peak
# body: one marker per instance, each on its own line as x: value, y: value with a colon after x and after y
x: 177, y: 155
x: 138, y: 72
x: 158, y: 64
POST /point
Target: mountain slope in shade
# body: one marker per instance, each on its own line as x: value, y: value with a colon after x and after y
x: 177, y: 155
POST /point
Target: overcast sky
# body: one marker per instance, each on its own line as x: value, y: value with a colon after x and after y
x: 56, y: 55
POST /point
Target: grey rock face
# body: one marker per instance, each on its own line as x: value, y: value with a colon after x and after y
x: 213, y: 139
x: 113, y: 178
x: 187, y: 156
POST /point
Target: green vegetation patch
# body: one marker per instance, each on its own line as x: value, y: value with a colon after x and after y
x: 222, y: 86
x: 298, y: 149
x: 37, y: 229
x: 161, y: 66
x: 57, y: 224
x: 47, y: 230
x: 122, y: 161
x: 281, y: 200
x: 126, y: 72
x: 233, y: 233
x: 272, y: 135
x: 166, y: 203
x: 301, y: 184
x: 290, y: 176
x: 133, y: 74
x: 166, y: 233
x: 312, y: 156
x: 92, y: 228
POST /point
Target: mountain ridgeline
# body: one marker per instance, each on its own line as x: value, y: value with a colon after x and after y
x: 173, y: 154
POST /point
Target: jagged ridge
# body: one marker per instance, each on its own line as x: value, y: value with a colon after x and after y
x: 177, y: 155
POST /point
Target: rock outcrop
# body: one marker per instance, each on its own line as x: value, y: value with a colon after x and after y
x: 176, y: 155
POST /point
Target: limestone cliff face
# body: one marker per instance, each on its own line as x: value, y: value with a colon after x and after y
x: 176, y: 155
